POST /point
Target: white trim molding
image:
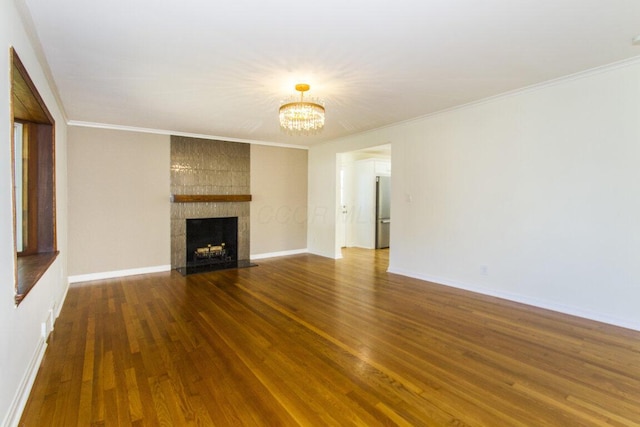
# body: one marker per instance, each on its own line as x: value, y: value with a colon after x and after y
x: 515, y: 92
x: 118, y: 273
x: 279, y: 254
x: 20, y: 399
x: 176, y: 133
x: 534, y: 302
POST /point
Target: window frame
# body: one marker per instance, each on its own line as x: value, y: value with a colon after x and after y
x: 28, y: 108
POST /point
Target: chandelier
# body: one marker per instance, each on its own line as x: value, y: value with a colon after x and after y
x: 303, y: 116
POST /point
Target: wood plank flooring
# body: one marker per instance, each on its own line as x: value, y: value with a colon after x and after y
x: 310, y: 341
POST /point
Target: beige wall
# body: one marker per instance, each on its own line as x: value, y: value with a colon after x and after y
x: 279, y: 206
x: 118, y: 200
x: 119, y: 209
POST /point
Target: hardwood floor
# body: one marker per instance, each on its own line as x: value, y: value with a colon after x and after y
x: 310, y: 341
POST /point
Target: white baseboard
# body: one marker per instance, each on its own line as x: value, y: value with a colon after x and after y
x: 279, y: 254
x: 535, y: 302
x: 118, y: 273
x: 20, y: 400
x: 60, y: 303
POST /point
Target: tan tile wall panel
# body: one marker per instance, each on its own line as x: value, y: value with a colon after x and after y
x: 201, y: 166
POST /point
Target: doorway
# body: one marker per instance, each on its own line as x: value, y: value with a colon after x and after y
x: 356, y: 224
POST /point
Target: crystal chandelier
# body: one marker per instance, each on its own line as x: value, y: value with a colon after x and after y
x: 302, y: 116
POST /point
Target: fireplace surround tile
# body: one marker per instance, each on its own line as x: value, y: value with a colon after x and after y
x: 201, y: 166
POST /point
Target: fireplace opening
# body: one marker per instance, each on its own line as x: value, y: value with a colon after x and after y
x: 212, y: 244
x: 212, y: 240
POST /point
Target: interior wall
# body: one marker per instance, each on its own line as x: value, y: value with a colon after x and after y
x: 531, y: 196
x: 23, y: 342
x: 121, y: 180
x: 279, y: 204
x: 118, y: 200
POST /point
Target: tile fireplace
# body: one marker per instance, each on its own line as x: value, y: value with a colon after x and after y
x: 209, y: 180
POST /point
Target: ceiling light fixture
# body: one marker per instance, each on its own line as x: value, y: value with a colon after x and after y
x: 303, y: 116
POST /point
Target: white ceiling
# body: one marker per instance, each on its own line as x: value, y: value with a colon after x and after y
x: 221, y: 68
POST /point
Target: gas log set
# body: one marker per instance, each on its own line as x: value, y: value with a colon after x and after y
x: 211, y: 254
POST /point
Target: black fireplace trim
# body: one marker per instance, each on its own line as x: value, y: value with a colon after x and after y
x: 203, y: 233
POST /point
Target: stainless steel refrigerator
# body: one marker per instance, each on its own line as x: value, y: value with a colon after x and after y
x: 383, y: 211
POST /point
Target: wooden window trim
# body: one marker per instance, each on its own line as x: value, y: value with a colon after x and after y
x: 28, y: 107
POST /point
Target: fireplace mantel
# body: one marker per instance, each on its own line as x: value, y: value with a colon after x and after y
x: 210, y: 198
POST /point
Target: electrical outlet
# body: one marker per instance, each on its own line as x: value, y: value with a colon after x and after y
x: 484, y: 270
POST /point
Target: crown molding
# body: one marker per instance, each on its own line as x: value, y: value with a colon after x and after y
x: 176, y: 133
x: 635, y: 60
